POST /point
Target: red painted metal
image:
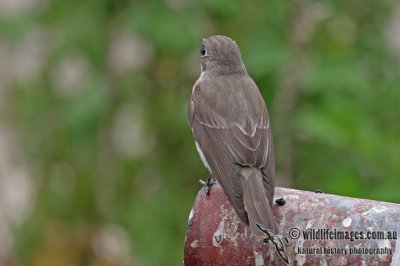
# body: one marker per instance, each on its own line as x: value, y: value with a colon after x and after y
x: 216, y: 236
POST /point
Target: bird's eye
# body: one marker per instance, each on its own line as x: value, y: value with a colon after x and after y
x: 203, y: 51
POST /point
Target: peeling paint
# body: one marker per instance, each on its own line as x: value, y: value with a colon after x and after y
x: 272, y: 253
x: 347, y: 222
x: 259, y: 260
x: 195, y: 244
x: 375, y: 209
x: 218, y: 234
x: 396, y: 254
x: 300, y: 258
x: 231, y: 232
x: 309, y: 224
x: 362, y: 206
x: 384, y: 244
x: 342, y: 261
x: 292, y: 197
x: 190, y: 216
x: 323, y: 262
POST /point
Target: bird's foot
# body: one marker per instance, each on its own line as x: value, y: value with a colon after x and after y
x: 208, y: 184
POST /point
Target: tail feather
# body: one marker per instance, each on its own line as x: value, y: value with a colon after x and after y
x: 256, y: 202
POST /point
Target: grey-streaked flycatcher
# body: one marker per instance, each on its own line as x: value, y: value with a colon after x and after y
x: 232, y: 131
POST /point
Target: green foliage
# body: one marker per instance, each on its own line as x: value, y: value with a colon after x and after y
x: 94, y: 166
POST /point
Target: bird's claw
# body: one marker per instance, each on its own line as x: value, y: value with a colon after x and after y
x: 208, y: 184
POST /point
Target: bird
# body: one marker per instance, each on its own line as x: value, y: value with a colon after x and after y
x: 232, y: 131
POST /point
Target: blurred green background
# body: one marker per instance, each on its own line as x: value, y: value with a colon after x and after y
x: 97, y: 161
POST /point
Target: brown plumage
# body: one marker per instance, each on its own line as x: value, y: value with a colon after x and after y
x: 230, y: 124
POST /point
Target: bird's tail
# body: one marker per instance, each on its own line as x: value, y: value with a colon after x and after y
x: 256, y: 202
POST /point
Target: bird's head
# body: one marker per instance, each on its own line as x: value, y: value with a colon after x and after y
x: 220, y: 55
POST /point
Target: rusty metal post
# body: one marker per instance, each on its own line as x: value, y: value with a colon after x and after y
x: 316, y: 229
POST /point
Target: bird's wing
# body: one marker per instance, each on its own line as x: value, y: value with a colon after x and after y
x: 231, y: 138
